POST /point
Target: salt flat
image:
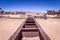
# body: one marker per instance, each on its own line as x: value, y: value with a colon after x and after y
x: 8, y: 27
x: 51, y: 27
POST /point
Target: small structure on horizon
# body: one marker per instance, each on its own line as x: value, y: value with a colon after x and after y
x: 53, y: 12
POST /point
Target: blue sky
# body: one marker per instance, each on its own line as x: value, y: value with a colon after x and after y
x: 30, y: 5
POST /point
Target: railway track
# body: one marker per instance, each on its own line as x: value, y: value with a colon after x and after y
x: 29, y: 30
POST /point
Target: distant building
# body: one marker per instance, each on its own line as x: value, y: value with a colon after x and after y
x: 53, y: 12
x: 7, y: 13
x: 21, y: 13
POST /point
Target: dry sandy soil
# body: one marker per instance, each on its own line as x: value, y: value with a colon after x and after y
x: 8, y: 27
x: 51, y: 27
x: 31, y: 38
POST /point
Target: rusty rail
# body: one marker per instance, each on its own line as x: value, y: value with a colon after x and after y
x: 29, y: 28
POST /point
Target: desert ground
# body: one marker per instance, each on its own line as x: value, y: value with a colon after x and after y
x: 51, y: 27
x: 31, y: 38
x: 8, y: 27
